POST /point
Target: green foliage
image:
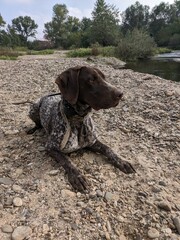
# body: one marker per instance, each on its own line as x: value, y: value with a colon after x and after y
x: 25, y: 27
x: 135, y: 16
x: 41, y: 52
x: 104, y: 28
x: 95, y: 50
x: 2, y: 22
x: 160, y: 50
x: 8, y: 54
x: 135, y: 45
x: 81, y: 52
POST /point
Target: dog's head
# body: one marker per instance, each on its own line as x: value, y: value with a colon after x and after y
x: 88, y: 86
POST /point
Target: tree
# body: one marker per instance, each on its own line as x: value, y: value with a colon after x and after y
x: 85, y: 32
x: 56, y: 29
x: 135, y: 16
x: 105, y: 28
x: 2, y: 22
x: 25, y: 27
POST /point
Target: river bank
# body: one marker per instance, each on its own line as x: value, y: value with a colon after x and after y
x: 143, y: 129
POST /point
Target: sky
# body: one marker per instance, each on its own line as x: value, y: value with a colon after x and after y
x: 41, y: 10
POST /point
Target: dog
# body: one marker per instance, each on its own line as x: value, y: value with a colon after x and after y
x: 67, y: 121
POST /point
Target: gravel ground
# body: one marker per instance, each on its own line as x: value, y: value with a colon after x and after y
x: 36, y: 200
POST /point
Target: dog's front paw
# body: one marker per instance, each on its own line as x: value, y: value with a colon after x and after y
x: 77, y: 180
x: 125, y: 167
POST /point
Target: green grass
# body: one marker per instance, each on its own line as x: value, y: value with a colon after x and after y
x: 41, y: 52
x: 7, y: 58
x: 94, y: 51
x: 160, y: 50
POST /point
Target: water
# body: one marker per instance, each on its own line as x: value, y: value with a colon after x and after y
x: 163, y: 65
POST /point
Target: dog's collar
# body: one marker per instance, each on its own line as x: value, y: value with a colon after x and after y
x: 78, y: 109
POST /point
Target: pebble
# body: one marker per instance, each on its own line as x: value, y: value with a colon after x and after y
x: 164, y: 206
x: 99, y: 193
x: 162, y: 183
x: 7, y: 228
x: 53, y: 172
x: 21, y: 233
x: 16, y: 188
x: 17, y: 202
x: 156, y: 189
x: 176, y: 222
x: 45, y: 228
x: 8, y: 202
x: 122, y: 237
x: 108, y: 196
x: 6, y: 181
x: 67, y: 193
x: 153, y: 233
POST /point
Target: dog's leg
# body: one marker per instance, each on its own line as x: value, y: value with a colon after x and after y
x: 32, y: 130
x: 75, y: 177
x: 124, y: 166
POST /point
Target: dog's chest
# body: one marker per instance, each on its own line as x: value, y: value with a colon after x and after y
x: 79, y: 133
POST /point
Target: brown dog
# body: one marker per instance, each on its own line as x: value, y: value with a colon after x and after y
x: 67, y: 122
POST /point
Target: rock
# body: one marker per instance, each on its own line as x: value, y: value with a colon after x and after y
x: 45, y: 228
x: 156, y: 189
x: 53, y: 172
x: 67, y: 193
x: 176, y: 222
x: 99, y: 193
x: 153, y: 233
x: 21, y: 233
x: 122, y: 237
x: 162, y: 183
x: 111, y: 196
x: 6, y: 181
x: 7, y: 228
x: 164, y: 206
x: 17, y: 202
x: 8, y: 202
x: 16, y: 188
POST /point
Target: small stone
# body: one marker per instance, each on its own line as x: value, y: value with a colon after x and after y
x: 167, y: 231
x: 176, y: 222
x: 99, y: 193
x: 162, y: 183
x: 53, y: 172
x: 156, y: 189
x: 7, y: 228
x: 16, y: 188
x: 164, y: 206
x: 6, y: 181
x: 122, y: 237
x: 92, y: 194
x: 108, y: 196
x: 67, y: 193
x: 45, y: 228
x: 153, y: 233
x: 17, y: 202
x: 41, y: 149
x: 108, y: 225
x: 8, y: 202
x: 21, y: 233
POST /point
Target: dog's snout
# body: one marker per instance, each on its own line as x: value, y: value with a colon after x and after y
x: 119, y: 94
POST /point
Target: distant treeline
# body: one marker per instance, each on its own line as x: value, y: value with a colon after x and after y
x: 107, y: 27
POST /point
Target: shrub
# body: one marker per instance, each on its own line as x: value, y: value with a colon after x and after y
x: 135, y: 45
x: 42, y: 52
x: 107, y: 51
x: 81, y: 52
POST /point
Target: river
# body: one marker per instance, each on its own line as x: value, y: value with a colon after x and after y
x: 163, y: 65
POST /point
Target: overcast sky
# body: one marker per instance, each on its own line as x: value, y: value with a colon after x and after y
x: 41, y: 10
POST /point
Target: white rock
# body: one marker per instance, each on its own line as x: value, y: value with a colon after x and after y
x: 17, y: 202
x: 153, y: 233
x: 21, y: 232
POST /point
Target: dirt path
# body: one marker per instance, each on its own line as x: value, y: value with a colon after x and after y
x: 144, y: 129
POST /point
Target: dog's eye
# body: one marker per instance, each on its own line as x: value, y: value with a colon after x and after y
x: 91, y: 80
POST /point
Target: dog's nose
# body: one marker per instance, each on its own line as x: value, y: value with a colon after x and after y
x: 119, y: 94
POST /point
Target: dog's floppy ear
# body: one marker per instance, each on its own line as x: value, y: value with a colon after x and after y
x: 68, y: 84
x: 99, y: 72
